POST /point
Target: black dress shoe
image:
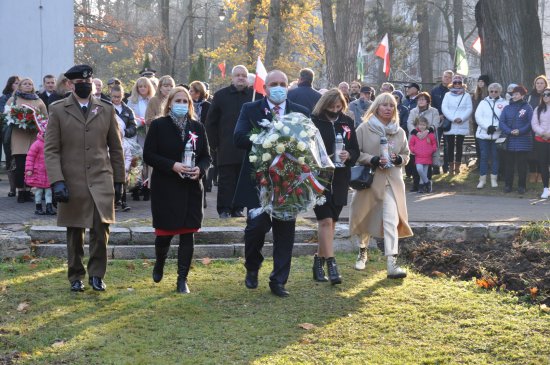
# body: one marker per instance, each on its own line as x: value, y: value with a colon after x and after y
x: 237, y: 214
x: 97, y: 283
x: 251, y: 280
x: 278, y: 289
x: 77, y: 285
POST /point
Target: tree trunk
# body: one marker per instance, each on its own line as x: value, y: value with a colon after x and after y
x: 165, y: 52
x: 251, y: 29
x: 342, y: 40
x: 190, y: 34
x: 275, y: 29
x: 425, y: 54
x: 385, y: 13
x: 511, y: 42
x: 458, y: 18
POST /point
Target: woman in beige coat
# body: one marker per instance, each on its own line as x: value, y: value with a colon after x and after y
x: 381, y: 210
x: 22, y: 139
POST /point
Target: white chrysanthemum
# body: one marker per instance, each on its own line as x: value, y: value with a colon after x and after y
x: 267, y: 144
x: 253, y: 158
x: 280, y: 148
x: 301, y: 146
x: 266, y: 157
x: 301, y: 160
x: 274, y: 137
x: 292, y: 138
x: 253, y: 138
x: 303, y: 134
x: 286, y: 130
x: 278, y: 125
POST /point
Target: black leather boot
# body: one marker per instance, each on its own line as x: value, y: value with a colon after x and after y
x: 158, y: 270
x: 49, y: 209
x: 185, y: 257
x: 20, y: 196
x: 29, y: 196
x: 146, y: 194
x: 333, y: 274
x: 39, y: 210
x: 318, y: 270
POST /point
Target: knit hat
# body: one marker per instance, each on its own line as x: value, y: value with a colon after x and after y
x: 520, y: 89
x: 399, y: 94
x: 484, y: 78
x: 457, y: 78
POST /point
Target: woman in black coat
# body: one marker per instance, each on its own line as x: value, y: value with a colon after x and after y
x: 328, y: 116
x: 176, y: 190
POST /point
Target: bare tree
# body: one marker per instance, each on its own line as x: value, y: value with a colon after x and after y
x: 165, y: 51
x: 425, y: 54
x: 251, y: 27
x: 342, y: 38
x: 511, y: 42
x: 275, y: 30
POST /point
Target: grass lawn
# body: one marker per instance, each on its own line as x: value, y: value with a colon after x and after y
x: 366, y: 320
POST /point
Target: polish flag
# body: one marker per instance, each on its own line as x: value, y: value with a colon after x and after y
x: 383, y: 51
x: 221, y: 66
x: 261, y: 75
x: 477, y: 45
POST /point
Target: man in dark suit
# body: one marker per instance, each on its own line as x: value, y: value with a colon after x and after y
x: 49, y: 88
x: 220, y: 123
x: 247, y: 194
x: 305, y: 94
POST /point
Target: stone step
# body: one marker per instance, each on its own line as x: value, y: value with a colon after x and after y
x: 126, y: 252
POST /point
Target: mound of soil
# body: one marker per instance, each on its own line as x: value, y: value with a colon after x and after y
x: 520, y: 266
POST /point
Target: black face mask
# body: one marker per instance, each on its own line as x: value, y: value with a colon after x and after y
x: 331, y: 114
x: 83, y: 89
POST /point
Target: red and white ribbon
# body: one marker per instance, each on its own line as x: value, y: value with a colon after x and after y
x: 193, y: 137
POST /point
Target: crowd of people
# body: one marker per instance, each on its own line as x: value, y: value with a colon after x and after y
x: 153, y: 132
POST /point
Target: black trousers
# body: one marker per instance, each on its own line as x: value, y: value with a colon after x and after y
x: 452, y: 141
x: 19, y: 170
x: 228, y: 176
x: 445, y: 152
x: 516, y: 159
x: 99, y: 236
x: 283, y: 242
x: 542, y: 150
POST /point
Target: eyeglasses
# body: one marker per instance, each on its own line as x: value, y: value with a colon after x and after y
x: 546, y: 95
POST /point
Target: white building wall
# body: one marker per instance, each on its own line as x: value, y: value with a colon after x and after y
x: 37, y: 38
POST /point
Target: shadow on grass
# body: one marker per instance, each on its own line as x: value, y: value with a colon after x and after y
x: 137, y: 320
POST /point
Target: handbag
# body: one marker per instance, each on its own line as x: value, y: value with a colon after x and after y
x: 361, y: 177
x: 446, y: 125
x: 501, y: 143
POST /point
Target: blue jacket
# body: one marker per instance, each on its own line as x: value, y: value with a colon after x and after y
x: 517, y: 115
x: 247, y: 192
x: 304, y: 95
x: 437, y: 94
x: 409, y: 103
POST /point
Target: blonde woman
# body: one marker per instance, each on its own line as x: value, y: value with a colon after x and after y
x: 142, y: 92
x: 381, y: 210
x: 22, y: 139
x: 154, y: 108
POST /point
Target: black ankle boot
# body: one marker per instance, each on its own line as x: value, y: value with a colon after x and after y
x: 318, y: 270
x: 333, y: 274
x: 49, y: 209
x: 20, y: 196
x: 39, y: 210
x: 29, y: 196
x: 158, y: 270
x: 135, y: 194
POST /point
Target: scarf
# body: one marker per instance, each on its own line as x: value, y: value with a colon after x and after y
x: 376, y: 126
x: 197, y: 105
x: 27, y: 96
x: 181, y: 124
x: 457, y: 90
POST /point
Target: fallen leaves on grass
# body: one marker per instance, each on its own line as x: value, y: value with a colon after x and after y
x: 58, y: 343
x: 534, y: 292
x: 146, y: 263
x: 23, y: 307
x: 438, y: 274
x: 26, y: 258
x: 486, y: 282
x: 206, y: 261
x: 307, y: 326
x: 545, y: 308
x: 130, y: 266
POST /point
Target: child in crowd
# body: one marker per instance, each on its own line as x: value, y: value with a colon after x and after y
x: 36, y: 176
x: 423, y: 145
x: 127, y: 165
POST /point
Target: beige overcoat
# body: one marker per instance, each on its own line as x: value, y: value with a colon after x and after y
x: 85, y: 152
x: 21, y: 139
x: 366, y: 206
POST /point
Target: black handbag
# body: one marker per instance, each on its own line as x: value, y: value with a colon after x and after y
x: 446, y: 125
x: 361, y: 177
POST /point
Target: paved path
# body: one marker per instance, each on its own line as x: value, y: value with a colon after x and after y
x: 437, y: 207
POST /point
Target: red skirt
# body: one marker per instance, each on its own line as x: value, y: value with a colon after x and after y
x: 174, y: 232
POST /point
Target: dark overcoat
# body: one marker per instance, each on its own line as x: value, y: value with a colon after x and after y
x: 247, y: 192
x: 175, y: 202
x: 220, y: 123
x: 86, y: 153
x: 340, y: 180
x: 127, y: 116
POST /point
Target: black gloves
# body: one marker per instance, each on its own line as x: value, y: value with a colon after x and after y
x: 375, y: 161
x: 397, y: 160
x: 491, y: 129
x: 118, y: 191
x: 60, y: 191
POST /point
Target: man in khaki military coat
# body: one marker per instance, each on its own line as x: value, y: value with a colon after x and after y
x: 85, y: 162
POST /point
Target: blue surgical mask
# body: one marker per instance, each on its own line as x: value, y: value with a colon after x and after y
x: 277, y: 94
x: 180, y: 110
